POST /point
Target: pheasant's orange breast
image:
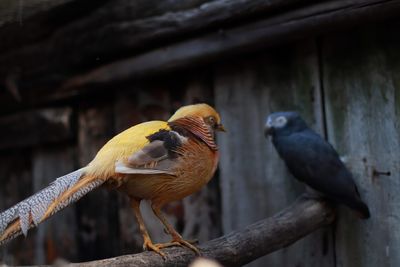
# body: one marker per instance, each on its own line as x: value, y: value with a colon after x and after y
x: 195, y: 166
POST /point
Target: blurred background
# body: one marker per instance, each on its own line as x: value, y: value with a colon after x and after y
x: 74, y: 73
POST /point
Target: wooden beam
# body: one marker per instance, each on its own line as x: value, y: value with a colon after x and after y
x: 118, y: 29
x: 35, y: 127
x: 301, y: 23
x: 18, y: 11
x: 38, y: 83
x: 23, y: 23
x: 242, y: 246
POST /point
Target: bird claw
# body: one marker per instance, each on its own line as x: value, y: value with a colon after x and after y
x: 188, y: 244
x: 179, y: 242
x: 193, y: 241
x: 148, y: 245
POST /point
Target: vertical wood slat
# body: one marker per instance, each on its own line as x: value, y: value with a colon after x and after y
x: 362, y: 85
x: 16, y: 184
x: 97, y: 211
x: 202, y: 210
x: 127, y: 114
x: 254, y: 181
x: 130, y: 108
x: 55, y: 238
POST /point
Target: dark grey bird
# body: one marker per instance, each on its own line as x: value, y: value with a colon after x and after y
x: 313, y: 160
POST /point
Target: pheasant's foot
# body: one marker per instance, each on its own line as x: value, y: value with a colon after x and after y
x: 148, y: 245
x: 179, y: 241
x: 166, y: 245
x: 193, y: 241
x: 189, y: 245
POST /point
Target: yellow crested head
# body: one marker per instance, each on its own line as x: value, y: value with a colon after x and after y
x: 204, y: 111
x: 196, y: 110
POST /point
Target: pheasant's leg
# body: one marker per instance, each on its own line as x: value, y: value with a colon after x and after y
x: 147, y: 243
x: 177, y: 239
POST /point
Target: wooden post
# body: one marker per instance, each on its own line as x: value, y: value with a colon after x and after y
x: 16, y: 184
x: 202, y: 211
x: 98, y: 211
x: 57, y: 237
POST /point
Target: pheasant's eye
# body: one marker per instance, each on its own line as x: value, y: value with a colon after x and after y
x: 211, y: 120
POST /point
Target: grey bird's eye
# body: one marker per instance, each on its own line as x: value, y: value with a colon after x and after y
x: 280, y: 121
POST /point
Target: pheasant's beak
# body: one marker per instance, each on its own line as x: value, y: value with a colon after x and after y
x: 220, y: 128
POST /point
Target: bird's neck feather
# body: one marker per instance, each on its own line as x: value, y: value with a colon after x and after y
x: 196, y: 127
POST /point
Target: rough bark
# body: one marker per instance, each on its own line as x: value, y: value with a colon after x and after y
x: 242, y: 246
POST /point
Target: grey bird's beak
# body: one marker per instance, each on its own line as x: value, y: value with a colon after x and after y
x: 268, y: 128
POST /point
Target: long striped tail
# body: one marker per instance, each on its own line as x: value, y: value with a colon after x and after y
x: 30, y: 212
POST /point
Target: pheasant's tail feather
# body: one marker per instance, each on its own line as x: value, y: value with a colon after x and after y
x: 30, y: 212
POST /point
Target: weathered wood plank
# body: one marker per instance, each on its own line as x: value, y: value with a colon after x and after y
x: 271, y: 31
x: 362, y: 83
x: 254, y: 180
x: 76, y: 17
x: 16, y: 184
x: 202, y: 214
x: 134, y: 26
x: 130, y: 108
x: 19, y: 11
x: 56, y: 238
x: 44, y: 80
x: 47, y: 16
x: 98, y: 223
x: 35, y: 127
x: 126, y: 114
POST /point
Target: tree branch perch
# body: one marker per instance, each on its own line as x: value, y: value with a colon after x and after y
x: 242, y: 246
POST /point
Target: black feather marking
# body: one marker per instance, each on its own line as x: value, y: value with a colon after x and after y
x: 169, y: 138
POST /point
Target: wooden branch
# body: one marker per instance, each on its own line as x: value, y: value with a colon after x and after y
x: 35, y: 127
x: 285, y: 27
x: 242, y: 246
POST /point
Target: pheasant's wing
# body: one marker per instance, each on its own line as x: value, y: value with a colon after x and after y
x: 157, y: 157
x: 122, y: 146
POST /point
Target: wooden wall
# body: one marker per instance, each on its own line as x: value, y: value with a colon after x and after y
x: 345, y: 84
x: 361, y: 74
x: 254, y: 181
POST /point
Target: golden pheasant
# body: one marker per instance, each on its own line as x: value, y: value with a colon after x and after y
x: 156, y: 160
